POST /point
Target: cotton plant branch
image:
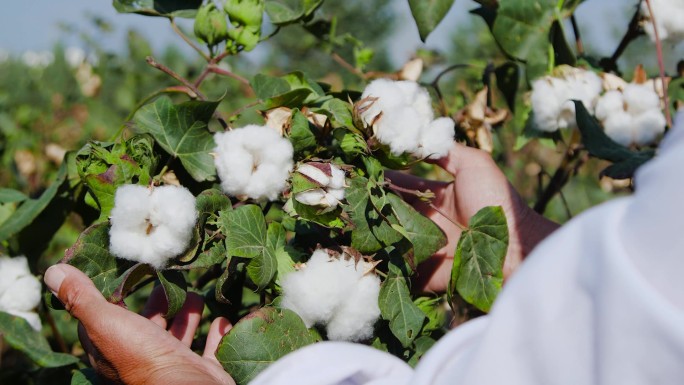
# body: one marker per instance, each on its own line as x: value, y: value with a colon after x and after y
x: 661, y: 64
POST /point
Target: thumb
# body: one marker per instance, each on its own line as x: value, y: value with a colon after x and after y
x: 77, y: 292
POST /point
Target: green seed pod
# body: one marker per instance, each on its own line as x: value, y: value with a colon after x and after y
x: 245, y: 12
x: 246, y: 36
x: 211, y: 25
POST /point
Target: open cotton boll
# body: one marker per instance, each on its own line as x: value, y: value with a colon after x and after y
x: 631, y: 116
x: 253, y: 161
x: 400, y: 128
x: 355, y: 319
x: 331, y: 181
x: 151, y: 225
x: 436, y: 139
x: 552, y: 97
x: 336, y: 293
x: 20, y: 291
x: 668, y: 15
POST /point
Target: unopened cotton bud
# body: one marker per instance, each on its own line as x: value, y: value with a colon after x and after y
x: 211, y: 25
x: 245, y: 12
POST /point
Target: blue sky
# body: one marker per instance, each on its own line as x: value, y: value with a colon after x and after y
x: 33, y: 25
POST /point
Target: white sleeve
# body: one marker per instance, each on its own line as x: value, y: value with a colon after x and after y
x: 598, y: 302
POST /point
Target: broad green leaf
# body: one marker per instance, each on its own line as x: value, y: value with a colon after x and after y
x: 341, y: 112
x: 90, y: 254
x: 435, y: 312
x: 175, y: 290
x: 291, y: 90
x: 263, y: 268
x: 21, y: 336
x: 420, y: 346
x: 423, y: 233
x: 283, y: 12
x: 128, y: 280
x: 477, y: 272
x: 302, y: 135
x: 245, y: 230
x: 166, y: 8
x: 8, y: 195
x: 30, y: 209
x: 181, y: 130
x: 405, y: 318
x: 260, y: 339
x: 212, y: 201
x: 428, y: 14
x: 208, y: 258
x: 675, y: 93
x: 625, y: 161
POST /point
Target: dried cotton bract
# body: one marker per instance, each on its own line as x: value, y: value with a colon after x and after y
x: 253, y: 161
x: 631, y: 116
x: 669, y: 17
x: 338, y: 293
x: 552, y: 97
x: 19, y: 290
x: 400, y: 113
x: 151, y: 225
x: 331, y: 182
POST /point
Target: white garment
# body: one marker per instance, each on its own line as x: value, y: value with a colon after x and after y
x: 600, y: 301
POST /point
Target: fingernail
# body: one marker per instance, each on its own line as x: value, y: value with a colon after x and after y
x: 53, y: 278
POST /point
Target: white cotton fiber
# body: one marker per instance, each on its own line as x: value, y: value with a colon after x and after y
x: 331, y: 181
x: 401, y: 116
x: 253, y: 161
x: 669, y: 17
x: 20, y: 291
x: 151, y: 225
x: 334, y: 292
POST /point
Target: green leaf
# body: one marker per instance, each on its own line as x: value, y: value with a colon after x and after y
x: 302, y: 136
x: 21, y: 336
x: 245, y: 230
x: 8, y: 195
x: 405, y: 318
x: 625, y: 161
x: 675, y: 93
x: 314, y: 214
x: 87, y: 376
x: 435, y: 312
x: 90, y: 254
x: 283, y: 12
x: 341, y: 112
x: 423, y: 233
x: 291, y: 90
x: 30, y: 209
x: 181, y: 130
x: 260, y: 339
x: 263, y: 268
x: 477, y: 272
x: 166, y: 8
x: 428, y: 14
x: 420, y: 346
x: 175, y: 289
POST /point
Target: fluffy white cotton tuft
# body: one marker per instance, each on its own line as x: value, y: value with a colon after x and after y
x: 669, y: 15
x: 552, y: 98
x: 151, y: 225
x: 254, y: 161
x: 401, y: 115
x: 336, y: 293
x: 631, y: 116
x: 19, y: 290
x: 331, y: 181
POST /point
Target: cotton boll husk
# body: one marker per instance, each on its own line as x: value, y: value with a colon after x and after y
x: 437, y: 139
x: 618, y: 127
x: 356, y: 317
x: 650, y: 125
x: 253, y: 161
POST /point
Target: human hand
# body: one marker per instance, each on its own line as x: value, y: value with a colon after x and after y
x: 125, y: 347
x: 478, y: 182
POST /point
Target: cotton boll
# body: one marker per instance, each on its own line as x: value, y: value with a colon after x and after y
x: 311, y: 197
x: 669, y: 15
x: 338, y: 179
x: 20, y: 291
x: 400, y: 130
x: 331, y: 180
x: 545, y: 104
x: 618, y: 126
x: 314, y: 173
x: 611, y: 102
x: 355, y: 319
x: 151, y: 225
x: 640, y: 98
x: 650, y: 125
x: 254, y: 161
x: 437, y: 138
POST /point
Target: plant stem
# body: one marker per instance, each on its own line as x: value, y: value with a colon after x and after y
x: 150, y: 60
x: 340, y: 60
x: 220, y: 71
x: 578, y: 37
x: 571, y: 161
x: 633, y: 31
x: 435, y: 85
x: 187, y: 39
x: 442, y: 213
x: 661, y: 64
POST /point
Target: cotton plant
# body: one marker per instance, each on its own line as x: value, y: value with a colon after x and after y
x: 253, y: 161
x: 401, y: 117
x: 632, y: 115
x: 151, y: 224
x: 668, y: 19
x: 337, y: 293
x: 328, y: 186
x: 552, y: 97
x: 20, y: 291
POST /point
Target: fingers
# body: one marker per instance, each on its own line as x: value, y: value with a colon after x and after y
x: 460, y: 156
x: 185, y: 322
x: 156, y: 307
x: 217, y: 330
x: 78, y: 294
